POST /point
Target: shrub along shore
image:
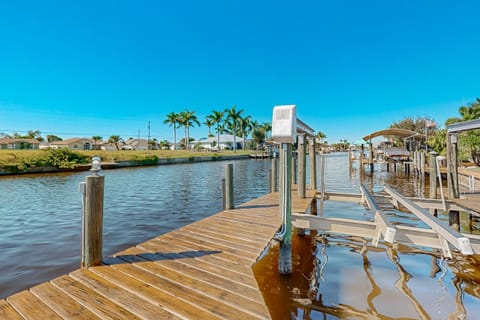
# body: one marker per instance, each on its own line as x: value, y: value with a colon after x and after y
x: 60, y: 160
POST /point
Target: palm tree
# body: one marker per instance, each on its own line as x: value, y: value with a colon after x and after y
x: 218, y: 118
x: 115, y: 140
x: 245, y: 126
x: 188, y: 119
x: 96, y: 139
x: 320, y: 136
x: 233, y: 119
x: 209, y: 123
x: 172, y: 120
x: 267, y: 127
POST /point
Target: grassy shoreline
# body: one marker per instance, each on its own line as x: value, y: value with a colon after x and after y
x: 45, y: 161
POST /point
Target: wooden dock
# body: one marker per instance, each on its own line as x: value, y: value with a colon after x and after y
x: 200, y: 271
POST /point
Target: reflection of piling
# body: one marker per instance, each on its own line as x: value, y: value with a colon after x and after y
x: 228, y: 195
x: 92, y: 235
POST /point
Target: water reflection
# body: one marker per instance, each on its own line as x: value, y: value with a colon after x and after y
x: 342, y: 277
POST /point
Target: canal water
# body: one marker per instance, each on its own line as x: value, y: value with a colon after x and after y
x: 334, y: 276
x: 40, y: 215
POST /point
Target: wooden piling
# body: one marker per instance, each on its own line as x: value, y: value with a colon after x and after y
x: 92, y: 237
x: 432, y: 164
x: 361, y: 160
x: 313, y: 163
x: 285, y: 251
x: 422, y: 164
x: 274, y: 176
x: 229, y: 186
x: 370, y: 158
x: 301, y: 166
x: 452, y: 179
x: 294, y: 170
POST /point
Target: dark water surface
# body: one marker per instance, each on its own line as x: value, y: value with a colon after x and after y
x: 344, y: 277
x: 40, y: 215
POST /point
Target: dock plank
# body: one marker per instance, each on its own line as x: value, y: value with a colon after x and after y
x: 30, y: 307
x: 124, y: 298
x: 62, y: 304
x: 7, y: 312
x: 200, y: 271
x: 171, y: 303
x: 92, y: 300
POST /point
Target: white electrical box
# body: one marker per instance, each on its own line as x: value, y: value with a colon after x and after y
x: 284, y: 124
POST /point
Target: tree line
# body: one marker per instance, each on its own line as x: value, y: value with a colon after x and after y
x: 469, y: 142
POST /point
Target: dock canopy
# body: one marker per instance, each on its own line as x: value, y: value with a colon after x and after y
x: 397, y: 132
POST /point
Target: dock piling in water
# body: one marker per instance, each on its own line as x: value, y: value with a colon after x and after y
x: 92, y: 221
x: 301, y: 165
x: 228, y: 194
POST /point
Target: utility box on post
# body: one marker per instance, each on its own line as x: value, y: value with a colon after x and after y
x: 284, y: 124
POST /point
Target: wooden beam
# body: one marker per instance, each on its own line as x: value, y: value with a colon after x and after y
x: 337, y: 196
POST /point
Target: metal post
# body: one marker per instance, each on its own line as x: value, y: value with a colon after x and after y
x: 301, y: 166
x: 92, y: 221
x: 285, y: 252
x: 229, y: 186
x: 313, y: 163
x: 322, y: 172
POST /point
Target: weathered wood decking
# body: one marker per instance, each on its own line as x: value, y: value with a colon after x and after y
x: 200, y: 271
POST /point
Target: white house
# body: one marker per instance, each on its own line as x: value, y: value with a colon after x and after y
x: 226, y: 142
x: 135, y: 144
x: 73, y: 144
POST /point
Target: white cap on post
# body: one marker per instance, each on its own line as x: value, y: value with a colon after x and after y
x: 284, y: 124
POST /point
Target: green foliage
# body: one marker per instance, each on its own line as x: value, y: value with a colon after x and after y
x: 58, y: 158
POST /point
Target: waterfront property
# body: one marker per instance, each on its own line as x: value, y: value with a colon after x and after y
x: 18, y: 144
x: 73, y: 144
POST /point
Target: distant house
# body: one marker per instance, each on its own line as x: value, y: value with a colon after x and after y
x: 18, y: 144
x: 135, y: 144
x: 226, y: 142
x: 44, y: 145
x: 73, y: 144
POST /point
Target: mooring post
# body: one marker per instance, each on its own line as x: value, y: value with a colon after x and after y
x: 361, y: 157
x: 285, y: 252
x: 313, y: 163
x: 422, y: 164
x: 433, y: 179
x: 223, y: 195
x: 274, y: 176
x: 229, y: 186
x: 301, y: 165
x: 270, y: 187
x: 92, y: 217
x: 452, y: 178
x: 370, y: 158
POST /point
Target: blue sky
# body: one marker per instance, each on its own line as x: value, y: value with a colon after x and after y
x: 83, y: 68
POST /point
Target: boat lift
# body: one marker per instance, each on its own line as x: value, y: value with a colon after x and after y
x: 438, y: 235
